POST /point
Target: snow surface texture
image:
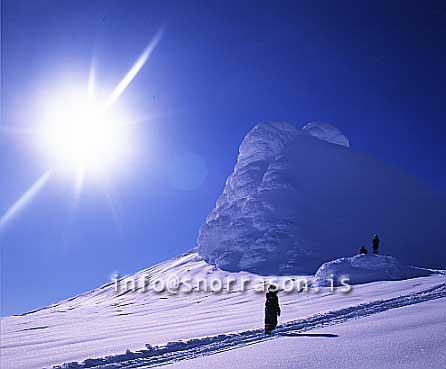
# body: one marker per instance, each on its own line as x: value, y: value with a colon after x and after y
x: 410, y: 337
x: 365, y: 269
x: 103, y: 323
x: 326, y: 132
x: 193, y: 348
x: 295, y: 201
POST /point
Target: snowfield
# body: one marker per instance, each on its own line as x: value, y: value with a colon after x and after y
x: 406, y: 338
x: 108, y: 329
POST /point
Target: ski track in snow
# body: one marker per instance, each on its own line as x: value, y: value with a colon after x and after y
x: 182, y: 350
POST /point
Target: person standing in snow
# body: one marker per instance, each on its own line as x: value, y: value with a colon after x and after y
x: 272, y: 309
x: 363, y: 250
x: 375, y: 243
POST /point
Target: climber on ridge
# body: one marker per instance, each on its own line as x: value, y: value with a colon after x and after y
x: 375, y: 243
x: 363, y: 250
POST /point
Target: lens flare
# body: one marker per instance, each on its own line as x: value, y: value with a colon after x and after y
x: 134, y: 70
x: 25, y: 199
x: 83, y: 135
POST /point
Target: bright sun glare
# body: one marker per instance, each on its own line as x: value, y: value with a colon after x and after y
x: 83, y: 135
x: 88, y: 135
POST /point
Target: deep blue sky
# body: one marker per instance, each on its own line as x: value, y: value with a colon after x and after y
x: 376, y: 70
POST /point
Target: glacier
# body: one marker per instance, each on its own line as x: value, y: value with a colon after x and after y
x: 300, y: 197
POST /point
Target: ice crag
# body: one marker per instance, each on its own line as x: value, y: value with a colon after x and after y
x: 301, y: 197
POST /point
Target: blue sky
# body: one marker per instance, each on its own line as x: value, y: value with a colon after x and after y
x: 375, y: 70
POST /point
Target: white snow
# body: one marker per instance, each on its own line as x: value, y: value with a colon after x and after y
x: 365, y: 269
x: 407, y: 338
x: 326, y: 132
x: 102, y: 322
x: 295, y: 201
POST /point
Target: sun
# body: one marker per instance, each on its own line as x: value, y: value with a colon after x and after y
x: 83, y: 136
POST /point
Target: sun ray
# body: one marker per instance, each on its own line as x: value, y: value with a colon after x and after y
x: 12, y: 131
x: 80, y: 176
x: 39, y: 184
x: 131, y: 74
x: 91, y: 82
x: 25, y: 199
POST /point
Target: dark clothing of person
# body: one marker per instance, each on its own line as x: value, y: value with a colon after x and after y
x: 375, y: 243
x: 363, y: 250
x: 272, y: 310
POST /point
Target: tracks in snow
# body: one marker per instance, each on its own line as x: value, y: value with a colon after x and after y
x: 182, y: 350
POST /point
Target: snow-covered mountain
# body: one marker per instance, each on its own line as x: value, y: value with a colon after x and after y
x: 296, y: 198
x: 300, y: 197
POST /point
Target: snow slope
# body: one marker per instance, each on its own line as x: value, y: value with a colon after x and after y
x: 365, y: 269
x: 104, y: 322
x: 301, y: 197
x: 411, y: 337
